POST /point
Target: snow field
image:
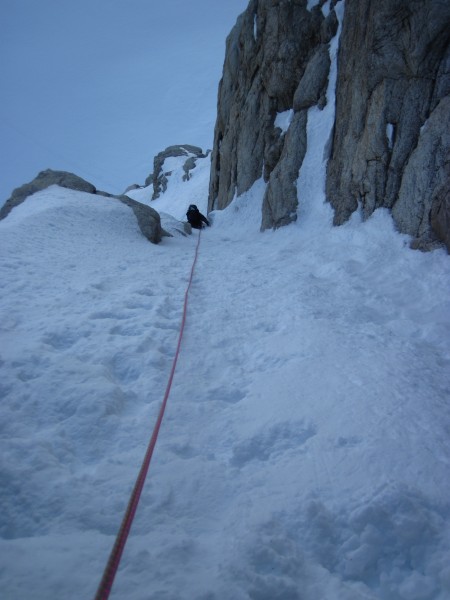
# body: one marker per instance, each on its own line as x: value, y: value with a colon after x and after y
x: 304, y: 452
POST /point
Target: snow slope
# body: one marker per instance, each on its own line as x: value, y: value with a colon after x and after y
x: 305, y: 450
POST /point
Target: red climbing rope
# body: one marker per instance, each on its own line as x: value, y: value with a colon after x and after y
x: 112, y: 565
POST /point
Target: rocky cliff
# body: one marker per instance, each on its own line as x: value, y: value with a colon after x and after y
x: 391, y: 136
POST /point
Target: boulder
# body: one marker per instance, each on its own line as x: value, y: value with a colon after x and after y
x: 148, y: 219
x: 44, y: 180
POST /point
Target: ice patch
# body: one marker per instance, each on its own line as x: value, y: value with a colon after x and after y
x: 390, y: 131
x: 326, y: 8
x: 283, y: 120
x: 311, y: 180
x: 311, y: 4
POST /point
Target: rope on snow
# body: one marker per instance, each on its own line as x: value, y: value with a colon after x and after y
x: 112, y: 565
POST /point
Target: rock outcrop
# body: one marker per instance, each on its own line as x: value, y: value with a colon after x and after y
x: 281, y: 198
x: 44, y: 180
x: 390, y: 144
x: 148, y: 219
x: 276, y: 59
x: 159, y: 177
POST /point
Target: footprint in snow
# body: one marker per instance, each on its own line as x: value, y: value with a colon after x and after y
x: 348, y: 442
x: 273, y: 441
x: 61, y: 341
x: 228, y: 395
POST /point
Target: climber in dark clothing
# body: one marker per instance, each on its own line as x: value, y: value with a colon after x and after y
x: 195, y: 217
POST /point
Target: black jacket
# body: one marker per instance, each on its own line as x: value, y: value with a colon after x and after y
x: 195, y: 217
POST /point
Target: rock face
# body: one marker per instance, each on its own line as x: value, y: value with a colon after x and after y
x: 148, y: 219
x: 280, y: 200
x: 424, y: 195
x: 390, y: 145
x: 159, y: 177
x: 276, y: 59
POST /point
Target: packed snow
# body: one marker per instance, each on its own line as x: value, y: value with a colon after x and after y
x: 305, y: 449
x: 304, y: 454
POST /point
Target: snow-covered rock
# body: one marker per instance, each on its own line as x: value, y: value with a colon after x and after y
x: 42, y: 181
x: 169, y: 160
x: 148, y: 219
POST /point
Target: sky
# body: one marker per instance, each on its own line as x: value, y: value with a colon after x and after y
x: 99, y: 87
